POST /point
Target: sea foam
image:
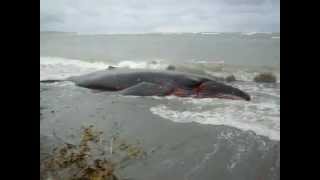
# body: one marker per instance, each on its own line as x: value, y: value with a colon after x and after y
x: 243, y: 118
x: 263, y: 118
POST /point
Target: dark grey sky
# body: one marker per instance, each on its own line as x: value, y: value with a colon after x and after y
x: 141, y: 16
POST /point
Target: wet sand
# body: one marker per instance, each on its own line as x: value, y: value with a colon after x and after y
x: 186, y: 151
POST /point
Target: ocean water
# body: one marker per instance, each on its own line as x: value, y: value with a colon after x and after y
x: 249, y: 49
x: 243, y: 133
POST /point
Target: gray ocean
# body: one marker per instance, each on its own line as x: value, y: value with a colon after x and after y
x: 184, y: 138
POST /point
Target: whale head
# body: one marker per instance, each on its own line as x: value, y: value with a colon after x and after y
x: 213, y: 89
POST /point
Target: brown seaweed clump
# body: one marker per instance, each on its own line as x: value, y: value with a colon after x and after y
x: 76, y: 162
x: 87, y: 160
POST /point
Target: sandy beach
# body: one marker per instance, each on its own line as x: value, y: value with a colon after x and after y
x: 173, y: 150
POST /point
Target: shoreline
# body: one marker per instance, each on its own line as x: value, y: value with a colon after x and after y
x: 176, y: 150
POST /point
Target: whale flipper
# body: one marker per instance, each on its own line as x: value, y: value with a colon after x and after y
x: 147, y: 89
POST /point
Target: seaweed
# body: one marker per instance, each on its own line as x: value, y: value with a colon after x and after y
x: 89, y: 160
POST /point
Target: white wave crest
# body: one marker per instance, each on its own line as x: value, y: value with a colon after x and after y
x: 262, y: 118
x: 155, y: 64
x: 210, y: 33
x: 241, y: 75
x: 254, y: 33
x: 60, y: 68
x: 249, y: 33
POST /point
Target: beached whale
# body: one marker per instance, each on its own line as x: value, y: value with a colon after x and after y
x: 158, y: 83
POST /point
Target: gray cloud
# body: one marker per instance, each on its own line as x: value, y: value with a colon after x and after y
x: 136, y: 16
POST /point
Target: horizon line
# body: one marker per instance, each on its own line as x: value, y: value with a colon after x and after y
x: 142, y: 33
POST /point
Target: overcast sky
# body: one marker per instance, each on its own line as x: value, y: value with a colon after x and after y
x: 143, y: 16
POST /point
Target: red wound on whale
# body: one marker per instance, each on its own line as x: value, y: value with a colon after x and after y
x: 197, y: 90
x: 180, y: 92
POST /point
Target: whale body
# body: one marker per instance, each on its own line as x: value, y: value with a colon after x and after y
x: 158, y: 83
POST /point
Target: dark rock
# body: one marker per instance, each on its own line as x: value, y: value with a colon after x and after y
x: 154, y: 62
x: 171, y: 68
x: 265, y: 78
x: 111, y: 67
x: 230, y: 78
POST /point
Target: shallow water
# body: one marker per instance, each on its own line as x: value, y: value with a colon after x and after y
x: 175, y: 150
x: 261, y: 114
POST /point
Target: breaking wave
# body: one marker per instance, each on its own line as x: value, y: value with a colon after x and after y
x: 60, y: 68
